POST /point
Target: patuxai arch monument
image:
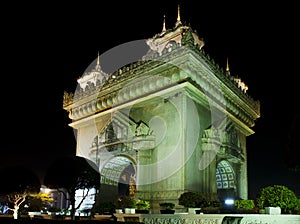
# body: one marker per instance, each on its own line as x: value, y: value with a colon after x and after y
x: 170, y: 122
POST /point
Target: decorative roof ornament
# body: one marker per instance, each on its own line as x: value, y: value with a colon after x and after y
x: 187, y: 38
x: 93, y: 76
x: 238, y: 80
x: 241, y: 84
x: 167, y: 38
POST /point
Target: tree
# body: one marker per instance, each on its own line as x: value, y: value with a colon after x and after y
x: 39, y: 202
x: 71, y: 173
x: 19, y: 184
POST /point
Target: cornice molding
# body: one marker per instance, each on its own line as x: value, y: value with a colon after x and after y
x: 175, y: 65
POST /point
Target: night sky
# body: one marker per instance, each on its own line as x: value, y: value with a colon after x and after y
x: 47, y: 46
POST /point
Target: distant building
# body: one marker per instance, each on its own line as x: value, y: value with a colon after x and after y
x: 61, y: 202
x: 88, y: 201
x: 171, y: 122
x: 59, y: 198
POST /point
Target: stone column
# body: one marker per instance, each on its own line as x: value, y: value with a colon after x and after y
x: 209, y: 185
x: 243, y: 181
x: 243, y: 172
x: 143, y: 175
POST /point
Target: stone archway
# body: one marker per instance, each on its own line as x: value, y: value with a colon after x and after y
x: 118, y: 175
x: 225, y: 180
x: 126, y: 185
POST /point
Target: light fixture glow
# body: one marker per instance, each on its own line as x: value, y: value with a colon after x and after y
x: 229, y: 201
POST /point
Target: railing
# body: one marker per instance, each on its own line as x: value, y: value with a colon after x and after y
x: 184, y: 218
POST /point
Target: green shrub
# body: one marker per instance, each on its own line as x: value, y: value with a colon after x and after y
x: 125, y: 202
x: 105, y: 207
x: 212, y: 204
x: 277, y: 196
x: 244, y: 204
x: 54, y: 209
x: 167, y: 205
x: 141, y: 204
x: 191, y: 199
x: 297, y: 208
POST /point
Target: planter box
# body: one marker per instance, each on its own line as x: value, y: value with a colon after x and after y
x: 167, y: 211
x: 273, y: 210
x: 129, y: 210
x: 247, y: 211
x: 141, y: 211
x: 102, y: 217
x: 32, y: 214
x: 119, y: 211
x: 193, y: 210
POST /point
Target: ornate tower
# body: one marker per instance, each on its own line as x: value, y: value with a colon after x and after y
x: 171, y: 122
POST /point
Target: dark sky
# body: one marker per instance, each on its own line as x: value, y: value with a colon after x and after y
x: 47, y: 46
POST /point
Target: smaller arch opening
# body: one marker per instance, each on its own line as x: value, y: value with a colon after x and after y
x: 225, y: 180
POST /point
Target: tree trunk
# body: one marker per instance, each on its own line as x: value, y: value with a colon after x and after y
x: 16, y: 211
x: 73, y: 209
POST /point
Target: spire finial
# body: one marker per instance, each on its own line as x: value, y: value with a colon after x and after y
x: 178, y: 13
x: 98, y: 66
x: 227, y: 67
x: 178, y: 22
x: 98, y: 59
x: 164, y: 25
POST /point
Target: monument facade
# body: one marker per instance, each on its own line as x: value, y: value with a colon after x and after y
x: 170, y: 122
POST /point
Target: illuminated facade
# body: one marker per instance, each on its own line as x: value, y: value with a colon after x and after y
x: 170, y: 122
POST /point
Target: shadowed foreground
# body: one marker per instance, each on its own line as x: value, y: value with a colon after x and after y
x: 6, y: 220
